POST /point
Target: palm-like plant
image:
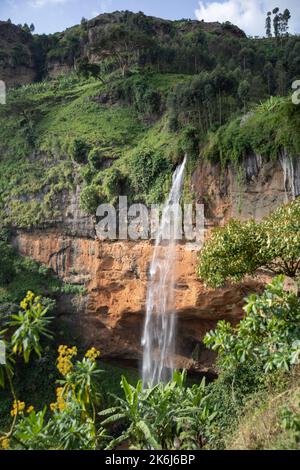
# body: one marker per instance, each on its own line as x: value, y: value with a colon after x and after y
x: 31, y: 324
x: 81, y: 384
x: 170, y: 416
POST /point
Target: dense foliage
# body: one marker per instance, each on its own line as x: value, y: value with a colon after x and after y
x: 269, y: 334
x: 155, y: 90
x: 241, y: 248
x: 171, y: 416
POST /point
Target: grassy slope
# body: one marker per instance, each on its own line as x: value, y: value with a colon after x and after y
x: 269, y: 128
x: 263, y: 426
x: 36, y: 159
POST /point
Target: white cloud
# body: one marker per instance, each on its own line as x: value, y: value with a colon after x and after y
x: 43, y: 3
x: 104, y: 7
x: 249, y: 15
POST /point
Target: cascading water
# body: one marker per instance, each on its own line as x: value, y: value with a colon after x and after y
x: 291, y: 174
x: 159, y: 331
x: 288, y: 175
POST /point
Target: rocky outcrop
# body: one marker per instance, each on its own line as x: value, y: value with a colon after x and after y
x: 17, y: 65
x: 253, y: 190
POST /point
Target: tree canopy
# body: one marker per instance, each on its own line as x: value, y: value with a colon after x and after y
x: 242, y: 248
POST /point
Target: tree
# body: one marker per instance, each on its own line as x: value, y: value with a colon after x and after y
x: 122, y: 44
x: 242, y: 248
x: 286, y: 18
x: 243, y: 92
x: 269, y: 25
x: 268, y: 335
x: 247, y: 57
x: 32, y: 28
x: 276, y: 22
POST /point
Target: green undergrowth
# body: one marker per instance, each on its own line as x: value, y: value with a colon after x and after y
x: 271, y: 418
x: 270, y: 128
x: 57, y: 134
x: 32, y: 382
x: 18, y: 275
x: 114, y: 138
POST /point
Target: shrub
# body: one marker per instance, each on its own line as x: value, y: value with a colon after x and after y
x: 241, y: 248
x: 90, y: 198
x: 112, y: 184
x: 80, y: 151
x: 146, y: 165
x: 71, y: 426
x: 96, y: 157
x: 268, y: 335
x: 231, y: 252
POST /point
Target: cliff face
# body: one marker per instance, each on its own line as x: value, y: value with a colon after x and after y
x: 23, y: 58
x: 253, y: 192
x: 115, y: 273
x: 16, y: 59
x: 111, y: 315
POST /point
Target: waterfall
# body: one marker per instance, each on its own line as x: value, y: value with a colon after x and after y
x: 159, y: 331
x: 291, y: 175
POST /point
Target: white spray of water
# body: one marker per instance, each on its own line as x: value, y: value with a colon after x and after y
x: 160, y: 324
x: 287, y: 165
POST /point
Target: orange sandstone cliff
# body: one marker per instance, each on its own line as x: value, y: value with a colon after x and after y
x: 115, y: 274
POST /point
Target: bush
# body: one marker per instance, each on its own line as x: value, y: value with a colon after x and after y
x: 112, y: 184
x: 231, y: 252
x: 268, y: 335
x: 241, y: 248
x: 90, y: 198
x: 96, y: 157
x: 146, y: 166
x: 80, y: 151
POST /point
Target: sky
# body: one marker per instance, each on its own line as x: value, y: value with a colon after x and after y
x: 50, y: 16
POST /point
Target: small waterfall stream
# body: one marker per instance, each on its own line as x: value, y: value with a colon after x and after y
x: 160, y: 324
x: 291, y: 174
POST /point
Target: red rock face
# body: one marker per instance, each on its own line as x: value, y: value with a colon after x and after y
x: 115, y: 273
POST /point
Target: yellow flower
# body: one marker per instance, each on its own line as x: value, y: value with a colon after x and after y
x: 5, y: 444
x: 64, y: 360
x: 17, y: 408
x: 92, y: 354
x: 23, y: 304
x: 61, y: 405
x: 53, y: 406
x: 30, y: 409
